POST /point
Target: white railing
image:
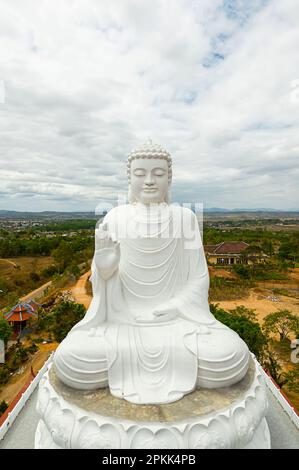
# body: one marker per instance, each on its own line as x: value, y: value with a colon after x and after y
x: 28, y: 392
x: 24, y: 397
x: 275, y: 390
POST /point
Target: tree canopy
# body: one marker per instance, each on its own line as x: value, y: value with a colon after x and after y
x: 282, y: 322
x: 5, y: 330
x: 241, y: 320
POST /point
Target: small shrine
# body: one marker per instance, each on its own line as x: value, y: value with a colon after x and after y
x: 20, y: 314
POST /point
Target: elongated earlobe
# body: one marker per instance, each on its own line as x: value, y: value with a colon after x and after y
x: 130, y: 196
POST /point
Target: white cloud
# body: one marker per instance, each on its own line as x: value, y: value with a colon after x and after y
x: 214, y: 82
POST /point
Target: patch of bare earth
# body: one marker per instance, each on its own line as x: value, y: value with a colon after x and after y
x: 19, y: 380
x: 261, y: 298
x: 78, y: 291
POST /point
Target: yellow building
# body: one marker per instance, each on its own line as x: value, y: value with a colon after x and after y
x: 230, y: 253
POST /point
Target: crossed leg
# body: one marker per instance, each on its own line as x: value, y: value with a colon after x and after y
x: 80, y: 361
x: 223, y: 358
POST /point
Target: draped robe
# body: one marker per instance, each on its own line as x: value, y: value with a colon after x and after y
x: 162, y: 265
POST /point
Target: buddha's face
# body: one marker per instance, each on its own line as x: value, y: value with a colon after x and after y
x: 149, y: 180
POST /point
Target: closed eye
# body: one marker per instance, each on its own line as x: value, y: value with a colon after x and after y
x: 159, y: 172
x: 139, y: 172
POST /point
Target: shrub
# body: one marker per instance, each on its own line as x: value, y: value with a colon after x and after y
x: 32, y: 348
x: 3, y: 407
x: 4, y: 374
x: 242, y: 271
x: 35, y: 277
x: 228, y: 289
x: 66, y: 314
x: 50, y: 271
x: 39, y: 340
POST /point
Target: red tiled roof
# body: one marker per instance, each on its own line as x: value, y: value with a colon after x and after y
x: 21, y: 311
x: 210, y: 248
x: 226, y: 248
x: 33, y: 304
x: 20, y: 316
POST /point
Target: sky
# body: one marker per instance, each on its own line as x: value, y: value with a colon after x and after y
x: 216, y: 83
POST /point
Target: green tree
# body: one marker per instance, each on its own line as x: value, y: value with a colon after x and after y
x: 268, y: 247
x: 74, y: 270
x: 63, y: 255
x: 3, y: 407
x: 289, y: 249
x: 282, y: 322
x: 66, y: 314
x: 243, y: 311
x: 270, y: 361
x: 16, y: 356
x: 45, y: 320
x: 5, y: 330
x: 249, y: 330
x: 292, y: 379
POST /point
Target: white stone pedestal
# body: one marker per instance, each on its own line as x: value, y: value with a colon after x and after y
x: 226, y: 418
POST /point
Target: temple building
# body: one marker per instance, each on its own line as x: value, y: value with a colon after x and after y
x: 20, y: 314
x: 230, y: 253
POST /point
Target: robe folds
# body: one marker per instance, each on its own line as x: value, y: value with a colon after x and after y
x: 152, y: 359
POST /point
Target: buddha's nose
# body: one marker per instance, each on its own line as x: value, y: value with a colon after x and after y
x: 149, y: 181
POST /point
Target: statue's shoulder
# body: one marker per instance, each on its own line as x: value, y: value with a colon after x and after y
x: 182, y: 211
x: 118, y: 211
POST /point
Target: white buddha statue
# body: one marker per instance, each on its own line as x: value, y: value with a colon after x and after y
x: 148, y: 334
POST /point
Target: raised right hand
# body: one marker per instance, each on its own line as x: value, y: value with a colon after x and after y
x: 107, y: 252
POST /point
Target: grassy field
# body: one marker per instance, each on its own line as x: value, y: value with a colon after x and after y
x: 13, y: 268
x: 20, y: 276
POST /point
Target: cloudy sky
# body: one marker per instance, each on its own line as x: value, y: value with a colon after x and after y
x: 216, y: 82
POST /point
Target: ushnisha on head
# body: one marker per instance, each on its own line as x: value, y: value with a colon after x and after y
x: 149, y: 170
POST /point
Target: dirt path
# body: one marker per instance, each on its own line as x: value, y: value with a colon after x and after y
x: 9, y: 262
x: 17, y: 381
x: 78, y: 291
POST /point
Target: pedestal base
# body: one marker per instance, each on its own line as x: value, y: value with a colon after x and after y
x: 232, y: 417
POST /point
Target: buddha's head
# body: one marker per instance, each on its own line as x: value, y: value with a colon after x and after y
x: 149, y: 170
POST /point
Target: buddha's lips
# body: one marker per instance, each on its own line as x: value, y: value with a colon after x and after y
x: 150, y: 189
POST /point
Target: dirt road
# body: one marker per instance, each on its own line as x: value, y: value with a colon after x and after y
x: 78, y: 291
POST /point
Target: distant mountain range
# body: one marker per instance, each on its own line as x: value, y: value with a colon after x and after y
x: 263, y: 209
x: 7, y: 214
x: 4, y: 214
